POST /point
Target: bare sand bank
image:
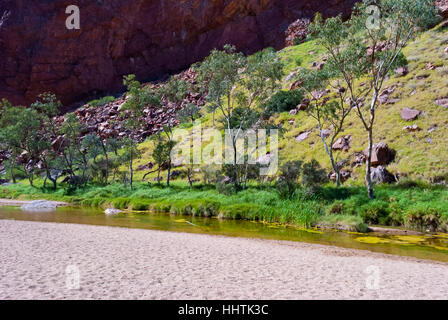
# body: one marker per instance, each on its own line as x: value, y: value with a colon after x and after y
x: 119, y: 263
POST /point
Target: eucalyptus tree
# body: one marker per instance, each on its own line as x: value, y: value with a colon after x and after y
x: 172, y: 93
x: 138, y: 98
x: 20, y: 133
x: 237, y: 86
x: 75, y: 152
x: 330, y: 114
x: 162, y: 156
x: 48, y: 106
x: 97, y: 154
x: 188, y: 115
x: 368, y: 47
x: 9, y: 164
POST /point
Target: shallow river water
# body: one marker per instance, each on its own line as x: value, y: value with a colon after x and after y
x: 429, y: 246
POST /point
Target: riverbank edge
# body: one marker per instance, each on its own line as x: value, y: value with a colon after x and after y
x: 319, y: 225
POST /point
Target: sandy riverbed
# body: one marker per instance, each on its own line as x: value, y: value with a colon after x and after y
x: 119, y: 263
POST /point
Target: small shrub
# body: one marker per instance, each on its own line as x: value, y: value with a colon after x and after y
x: 225, y: 188
x: 188, y: 210
x: 424, y: 217
x: 209, y: 174
x: 375, y: 212
x: 286, y: 185
x: 283, y: 101
x: 313, y: 176
x: 211, y: 208
x: 444, y: 223
x: 400, y: 61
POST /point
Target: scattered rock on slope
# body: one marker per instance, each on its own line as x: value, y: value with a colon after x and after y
x: 412, y: 128
x: 381, y: 154
x: 343, y: 143
x: 408, y: 114
x: 344, y: 174
x: 384, y: 96
x: 326, y: 133
x: 401, y: 71
x: 303, y: 136
x: 381, y: 175
x: 442, y: 102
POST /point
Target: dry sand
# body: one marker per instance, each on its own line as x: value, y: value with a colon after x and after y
x: 120, y: 263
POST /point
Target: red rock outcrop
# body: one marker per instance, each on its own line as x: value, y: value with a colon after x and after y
x: 118, y: 37
x: 109, y: 121
x: 297, y: 31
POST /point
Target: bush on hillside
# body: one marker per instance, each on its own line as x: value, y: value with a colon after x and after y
x: 283, y: 101
x: 313, y: 176
x: 286, y: 184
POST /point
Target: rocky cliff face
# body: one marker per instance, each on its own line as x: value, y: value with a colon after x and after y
x: 148, y: 38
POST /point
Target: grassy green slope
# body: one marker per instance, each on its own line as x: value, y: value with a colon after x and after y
x: 420, y: 155
x: 417, y: 156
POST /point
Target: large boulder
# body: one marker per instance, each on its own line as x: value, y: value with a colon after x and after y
x: 381, y: 175
x: 381, y: 154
